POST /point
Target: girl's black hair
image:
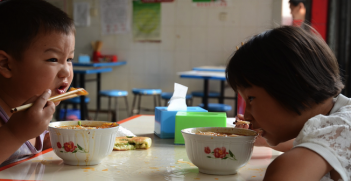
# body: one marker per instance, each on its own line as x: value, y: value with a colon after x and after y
x: 22, y: 20
x: 296, y: 2
x: 294, y: 66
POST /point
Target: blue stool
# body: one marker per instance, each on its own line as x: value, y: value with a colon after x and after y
x: 168, y: 95
x: 216, y: 107
x: 113, y: 94
x: 211, y: 94
x: 145, y: 92
x: 74, y: 102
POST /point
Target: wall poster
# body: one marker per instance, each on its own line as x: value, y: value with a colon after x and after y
x: 146, y: 21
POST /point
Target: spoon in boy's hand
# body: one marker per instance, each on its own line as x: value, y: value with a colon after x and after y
x: 73, y: 92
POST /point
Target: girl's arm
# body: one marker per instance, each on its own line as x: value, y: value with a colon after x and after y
x: 298, y: 164
x: 283, y: 147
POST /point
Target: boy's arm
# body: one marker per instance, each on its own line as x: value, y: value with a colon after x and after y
x: 46, y: 141
x: 26, y: 125
x: 9, y: 143
x: 297, y: 164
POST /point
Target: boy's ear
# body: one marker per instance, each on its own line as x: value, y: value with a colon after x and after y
x: 5, y: 70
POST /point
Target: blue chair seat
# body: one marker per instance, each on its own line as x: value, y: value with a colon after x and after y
x: 147, y: 91
x: 114, y: 93
x: 201, y: 94
x: 76, y: 100
x: 168, y: 95
x: 216, y: 107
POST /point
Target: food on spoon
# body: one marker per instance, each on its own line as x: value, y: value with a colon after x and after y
x: 73, y: 92
x: 81, y: 91
x: 131, y: 143
x: 240, y: 122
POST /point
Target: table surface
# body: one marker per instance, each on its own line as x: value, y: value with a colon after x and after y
x: 163, y: 161
x: 84, y: 70
x: 210, y: 68
x: 104, y: 64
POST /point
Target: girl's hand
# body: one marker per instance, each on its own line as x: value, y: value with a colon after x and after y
x: 260, y: 141
x: 30, y: 123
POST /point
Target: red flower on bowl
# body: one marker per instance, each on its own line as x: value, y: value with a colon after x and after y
x: 59, y: 145
x: 69, y: 146
x: 220, y: 152
x: 207, y: 150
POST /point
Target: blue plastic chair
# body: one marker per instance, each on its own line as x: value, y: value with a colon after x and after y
x: 138, y: 93
x: 74, y: 102
x: 114, y: 94
x: 217, y: 107
x: 168, y: 95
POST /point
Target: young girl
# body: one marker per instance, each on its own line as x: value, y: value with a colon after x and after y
x: 290, y: 81
x: 36, y: 48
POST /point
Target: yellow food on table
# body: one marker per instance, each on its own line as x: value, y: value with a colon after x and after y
x: 131, y: 143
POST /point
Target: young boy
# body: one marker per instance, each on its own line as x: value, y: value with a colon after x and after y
x: 36, y: 49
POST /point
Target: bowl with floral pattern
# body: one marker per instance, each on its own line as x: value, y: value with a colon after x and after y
x: 82, y: 142
x: 219, y: 150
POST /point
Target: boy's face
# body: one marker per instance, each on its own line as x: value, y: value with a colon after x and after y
x: 47, y: 63
x: 263, y: 111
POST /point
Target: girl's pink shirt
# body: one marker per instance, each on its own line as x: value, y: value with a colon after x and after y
x: 26, y: 150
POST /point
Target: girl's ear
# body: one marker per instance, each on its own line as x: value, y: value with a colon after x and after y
x: 5, y: 70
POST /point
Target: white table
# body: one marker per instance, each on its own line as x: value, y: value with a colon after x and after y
x: 163, y: 161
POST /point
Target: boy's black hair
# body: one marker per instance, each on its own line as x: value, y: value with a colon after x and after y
x: 294, y: 66
x: 22, y: 20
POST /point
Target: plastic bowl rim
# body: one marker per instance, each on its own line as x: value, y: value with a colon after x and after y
x: 82, y: 129
x: 256, y: 134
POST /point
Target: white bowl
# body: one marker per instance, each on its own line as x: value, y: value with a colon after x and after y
x: 219, y: 155
x: 82, y: 147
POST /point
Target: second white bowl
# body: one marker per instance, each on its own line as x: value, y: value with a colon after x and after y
x: 219, y: 155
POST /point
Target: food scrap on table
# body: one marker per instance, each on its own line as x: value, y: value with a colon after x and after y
x: 131, y: 143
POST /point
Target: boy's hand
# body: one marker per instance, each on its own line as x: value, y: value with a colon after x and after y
x: 30, y: 123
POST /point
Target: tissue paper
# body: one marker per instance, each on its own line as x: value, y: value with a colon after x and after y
x: 124, y: 132
x: 178, y: 101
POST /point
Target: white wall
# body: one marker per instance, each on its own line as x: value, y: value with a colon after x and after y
x: 191, y: 36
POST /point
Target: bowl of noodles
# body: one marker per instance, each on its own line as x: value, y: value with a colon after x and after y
x: 219, y: 150
x: 82, y: 142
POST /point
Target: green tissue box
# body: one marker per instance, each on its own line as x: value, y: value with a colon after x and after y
x: 197, y: 119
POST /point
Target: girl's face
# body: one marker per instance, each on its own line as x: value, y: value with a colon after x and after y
x: 263, y: 111
x: 46, y: 64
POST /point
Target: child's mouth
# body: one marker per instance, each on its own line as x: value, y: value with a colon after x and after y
x: 62, y: 88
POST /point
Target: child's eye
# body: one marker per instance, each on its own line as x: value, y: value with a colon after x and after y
x: 52, y: 60
x: 250, y: 98
x: 69, y: 60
